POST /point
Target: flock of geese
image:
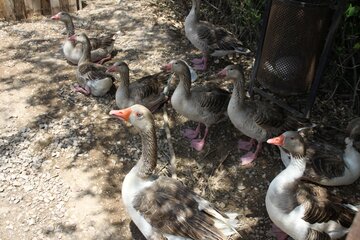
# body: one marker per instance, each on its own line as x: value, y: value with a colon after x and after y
x: 162, y: 207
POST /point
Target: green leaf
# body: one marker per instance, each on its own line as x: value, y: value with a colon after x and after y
x: 352, y: 10
x: 357, y: 46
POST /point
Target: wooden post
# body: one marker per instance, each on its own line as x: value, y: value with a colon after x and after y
x: 55, y: 6
x: 19, y: 9
x: 72, y: 5
x: 45, y: 7
x: 8, y: 9
x: 35, y: 7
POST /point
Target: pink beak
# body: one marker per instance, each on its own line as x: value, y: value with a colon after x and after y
x: 56, y: 17
x: 167, y: 67
x: 222, y: 73
x: 111, y: 69
x: 72, y: 38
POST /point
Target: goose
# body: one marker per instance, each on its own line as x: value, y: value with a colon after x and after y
x: 146, y: 91
x: 303, y: 210
x: 328, y: 164
x: 203, y: 104
x: 257, y: 120
x: 92, y: 77
x: 162, y: 207
x: 101, y: 46
x: 209, y: 39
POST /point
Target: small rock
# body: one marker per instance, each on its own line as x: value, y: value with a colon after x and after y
x: 31, y: 221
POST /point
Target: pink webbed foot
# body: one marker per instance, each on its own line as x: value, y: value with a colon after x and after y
x: 197, y: 60
x: 190, y: 134
x: 245, y: 145
x: 78, y: 88
x: 279, y: 234
x: 200, y: 67
x: 248, y: 158
x: 198, y: 144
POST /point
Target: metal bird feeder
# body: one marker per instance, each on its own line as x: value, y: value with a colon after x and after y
x: 292, y: 52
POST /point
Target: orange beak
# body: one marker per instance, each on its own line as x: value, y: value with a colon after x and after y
x: 122, y: 113
x: 278, y: 141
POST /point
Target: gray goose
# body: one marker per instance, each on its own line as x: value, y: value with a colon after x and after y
x: 257, y: 120
x: 101, y: 46
x: 92, y: 77
x: 303, y: 210
x: 147, y: 91
x: 328, y: 164
x: 209, y: 39
x: 162, y: 207
x: 203, y: 104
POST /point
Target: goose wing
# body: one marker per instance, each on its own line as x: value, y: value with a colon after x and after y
x: 173, y: 209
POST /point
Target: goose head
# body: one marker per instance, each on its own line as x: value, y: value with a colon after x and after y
x: 119, y: 67
x: 139, y: 116
x: 79, y: 37
x: 62, y: 16
x: 291, y: 141
x: 232, y: 72
x: 176, y: 66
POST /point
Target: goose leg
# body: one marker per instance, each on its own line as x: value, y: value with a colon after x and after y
x: 191, y: 134
x: 246, y: 145
x: 198, y: 60
x: 198, y: 144
x: 107, y: 58
x: 279, y: 234
x: 250, y: 156
x: 202, y: 65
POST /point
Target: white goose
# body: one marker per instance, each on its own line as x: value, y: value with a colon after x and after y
x: 162, y: 207
x: 209, y: 39
x: 328, y: 164
x: 303, y: 210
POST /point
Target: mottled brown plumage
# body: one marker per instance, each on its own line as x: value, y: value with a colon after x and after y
x: 211, y: 40
x: 147, y: 91
x: 330, y: 164
x: 256, y: 119
x: 203, y: 104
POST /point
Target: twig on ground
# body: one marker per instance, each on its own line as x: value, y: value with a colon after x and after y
x: 221, y: 163
x: 171, y: 148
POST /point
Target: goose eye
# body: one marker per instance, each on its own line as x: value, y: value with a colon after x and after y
x: 292, y: 138
x: 139, y: 115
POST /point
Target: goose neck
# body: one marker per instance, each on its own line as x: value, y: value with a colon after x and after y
x: 148, y: 159
x: 185, y: 82
x: 194, y: 12
x: 70, y: 30
x: 238, y: 94
x: 86, y: 52
x: 124, y: 84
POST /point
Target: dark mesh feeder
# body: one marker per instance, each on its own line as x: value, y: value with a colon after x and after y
x: 292, y: 52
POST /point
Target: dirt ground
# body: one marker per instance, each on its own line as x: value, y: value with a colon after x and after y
x: 62, y: 161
